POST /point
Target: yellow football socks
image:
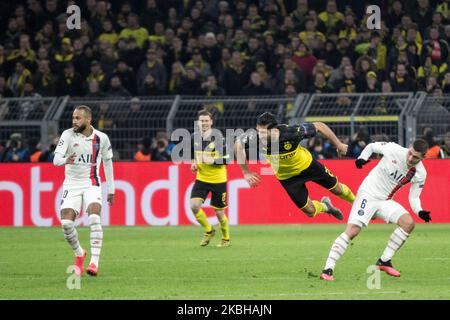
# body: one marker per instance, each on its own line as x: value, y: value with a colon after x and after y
x: 319, y: 206
x: 201, y: 218
x: 346, y: 194
x: 224, y: 227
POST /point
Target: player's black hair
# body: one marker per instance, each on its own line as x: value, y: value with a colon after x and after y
x: 204, y: 112
x: 421, y: 146
x: 267, y: 119
x: 86, y: 110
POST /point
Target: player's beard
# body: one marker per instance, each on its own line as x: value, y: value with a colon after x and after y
x: 81, y: 128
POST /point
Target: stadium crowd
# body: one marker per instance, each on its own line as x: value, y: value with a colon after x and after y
x: 216, y: 48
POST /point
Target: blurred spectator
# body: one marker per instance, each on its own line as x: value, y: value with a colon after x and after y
x: 15, y: 150
x: 44, y: 79
x: 434, y: 150
x: 371, y: 83
x: 35, y: 150
x: 160, y: 151
x: 191, y: 85
x: 304, y: 59
x: 69, y: 82
x: 320, y: 149
x: 5, y: 92
x: 203, y: 67
x: 105, y: 120
x: 358, y: 143
x: 445, y: 147
x: 18, y: 78
x: 236, y: 75
x: 154, y: 68
x: 210, y: 87
x: 401, y: 81
x: 320, y: 84
x: 134, y: 29
x: 126, y: 75
x: 144, y: 150
x: 97, y: 75
x: 49, y: 153
x: 348, y: 82
x: 256, y: 86
x: 117, y: 89
x: 331, y: 16
x: 94, y: 90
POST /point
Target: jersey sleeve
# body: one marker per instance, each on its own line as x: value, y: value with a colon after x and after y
x: 306, y: 130
x: 107, y: 149
x: 417, y: 185
x: 383, y: 148
x: 63, y: 143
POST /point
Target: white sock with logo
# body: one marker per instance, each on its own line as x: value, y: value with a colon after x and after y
x: 71, y: 236
x: 96, y: 237
x: 337, y: 250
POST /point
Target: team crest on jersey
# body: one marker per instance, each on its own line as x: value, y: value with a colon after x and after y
x: 96, y: 146
x: 361, y: 212
x: 287, y: 146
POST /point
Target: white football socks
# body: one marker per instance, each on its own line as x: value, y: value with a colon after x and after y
x: 96, y: 237
x: 71, y: 236
x: 337, y: 250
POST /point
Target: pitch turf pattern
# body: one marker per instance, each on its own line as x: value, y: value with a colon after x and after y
x: 264, y: 262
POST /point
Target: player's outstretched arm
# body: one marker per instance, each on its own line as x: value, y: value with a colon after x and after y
x: 374, y: 147
x: 414, y: 201
x: 252, y: 178
x: 329, y: 134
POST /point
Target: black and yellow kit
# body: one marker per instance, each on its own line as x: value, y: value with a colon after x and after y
x: 293, y: 164
x: 210, y: 177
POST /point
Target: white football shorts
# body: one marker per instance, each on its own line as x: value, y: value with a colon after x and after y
x: 365, y: 208
x: 80, y: 198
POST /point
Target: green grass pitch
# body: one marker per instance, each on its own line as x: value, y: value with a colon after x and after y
x: 264, y: 262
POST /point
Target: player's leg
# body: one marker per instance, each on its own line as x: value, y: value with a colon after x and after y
x: 322, y: 176
x: 219, y: 203
x: 70, y: 206
x: 343, y: 191
x: 363, y: 209
x: 393, y: 212
x: 338, y: 249
x: 93, y: 200
x: 198, y: 195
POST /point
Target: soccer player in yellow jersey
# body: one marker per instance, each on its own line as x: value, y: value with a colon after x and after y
x: 293, y: 165
x: 208, y: 161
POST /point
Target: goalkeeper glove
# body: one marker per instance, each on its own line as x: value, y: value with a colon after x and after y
x: 360, y: 162
x: 425, y: 215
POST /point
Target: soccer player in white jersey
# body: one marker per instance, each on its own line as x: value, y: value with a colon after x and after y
x: 81, y: 149
x: 398, y: 167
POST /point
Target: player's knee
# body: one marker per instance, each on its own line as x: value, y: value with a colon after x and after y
x: 219, y: 214
x: 352, y: 231
x: 309, y: 210
x: 406, y: 223
x: 94, y: 208
x: 337, y: 190
x: 195, y: 208
x: 68, y: 214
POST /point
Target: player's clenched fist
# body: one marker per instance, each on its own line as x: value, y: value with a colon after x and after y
x: 425, y: 215
x: 361, y: 162
x: 342, y: 149
x: 252, y: 178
